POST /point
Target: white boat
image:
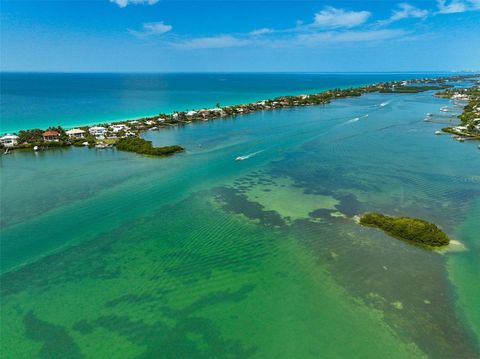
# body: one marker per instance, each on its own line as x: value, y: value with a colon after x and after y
x: 35, y: 148
x: 429, y: 114
x: 444, y: 109
x: 438, y: 132
x: 102, y: 146
x: 241, y: 158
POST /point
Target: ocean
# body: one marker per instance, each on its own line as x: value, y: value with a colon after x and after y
x: 114, y: 254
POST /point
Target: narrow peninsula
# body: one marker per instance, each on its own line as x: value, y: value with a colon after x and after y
x: 126, y: 135
x: 412, y: 230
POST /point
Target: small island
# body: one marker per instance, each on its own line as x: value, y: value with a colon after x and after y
x: 409, y: 229
x: 144, y: 147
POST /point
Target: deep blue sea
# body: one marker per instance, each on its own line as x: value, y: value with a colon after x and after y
x: 31, y: 100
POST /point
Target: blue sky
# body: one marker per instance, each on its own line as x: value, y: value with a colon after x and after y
x: 248, y: 35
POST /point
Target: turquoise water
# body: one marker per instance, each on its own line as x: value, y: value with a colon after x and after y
x: 39, y: 100
x: 112, y: 254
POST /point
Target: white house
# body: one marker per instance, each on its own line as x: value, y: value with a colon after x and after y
x: 120, y: 127
x: 98, y: 131
x: 75, y: 133
x: 130, y: 134
x: 9, y: 140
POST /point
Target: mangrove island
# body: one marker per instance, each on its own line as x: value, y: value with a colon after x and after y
x: 409, y: 229
x: 144, y: 147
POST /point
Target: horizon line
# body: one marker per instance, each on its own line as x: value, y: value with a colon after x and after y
x: 237, y: 72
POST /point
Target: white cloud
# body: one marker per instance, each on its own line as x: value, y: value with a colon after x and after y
x: 332, y: 17
x: 152, y: 28
x: 349, y: 36
x: 262, y: 31
x: 221, y: 41
x: 297, y: 40
x: 406, y: 11
x: 475, y: 4
x: 453, y: 7
x: 125, y: 3
x: 331, y: 26
x: 156, y: 27
x: 457, y: 6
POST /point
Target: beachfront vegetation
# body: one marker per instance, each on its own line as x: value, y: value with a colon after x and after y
x: 406, y: 228
x: 413, y: 89
x: 144, y: 147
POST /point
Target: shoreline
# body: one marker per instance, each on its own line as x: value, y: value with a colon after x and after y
x: 106, y: 134
x: 469, y: 100
x: 153, y: 113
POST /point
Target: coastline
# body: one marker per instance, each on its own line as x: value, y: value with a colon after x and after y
x: 171, y: 109
x: 107, y: 134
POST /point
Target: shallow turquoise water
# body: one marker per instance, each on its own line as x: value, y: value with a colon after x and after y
x: 201, y: 256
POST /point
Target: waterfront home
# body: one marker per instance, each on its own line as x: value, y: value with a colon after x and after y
x: 191, y: 113
x: 120, y: 127
x: 75, y: 133
x: 98, y: 131
x: 460, y: 129
x: 460, y: 97
x: 9, y: 140
x: 51, y: 135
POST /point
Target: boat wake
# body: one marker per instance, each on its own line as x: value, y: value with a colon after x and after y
x: 353, y: 120
x: 383, y: 104
x: 246, y: 157
x: 356, y: 119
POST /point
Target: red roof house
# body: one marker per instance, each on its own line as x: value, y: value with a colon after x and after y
x: 51, y: 135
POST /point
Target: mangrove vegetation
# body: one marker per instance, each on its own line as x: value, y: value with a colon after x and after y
x: 144, y: 147
x: 409, y: 229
